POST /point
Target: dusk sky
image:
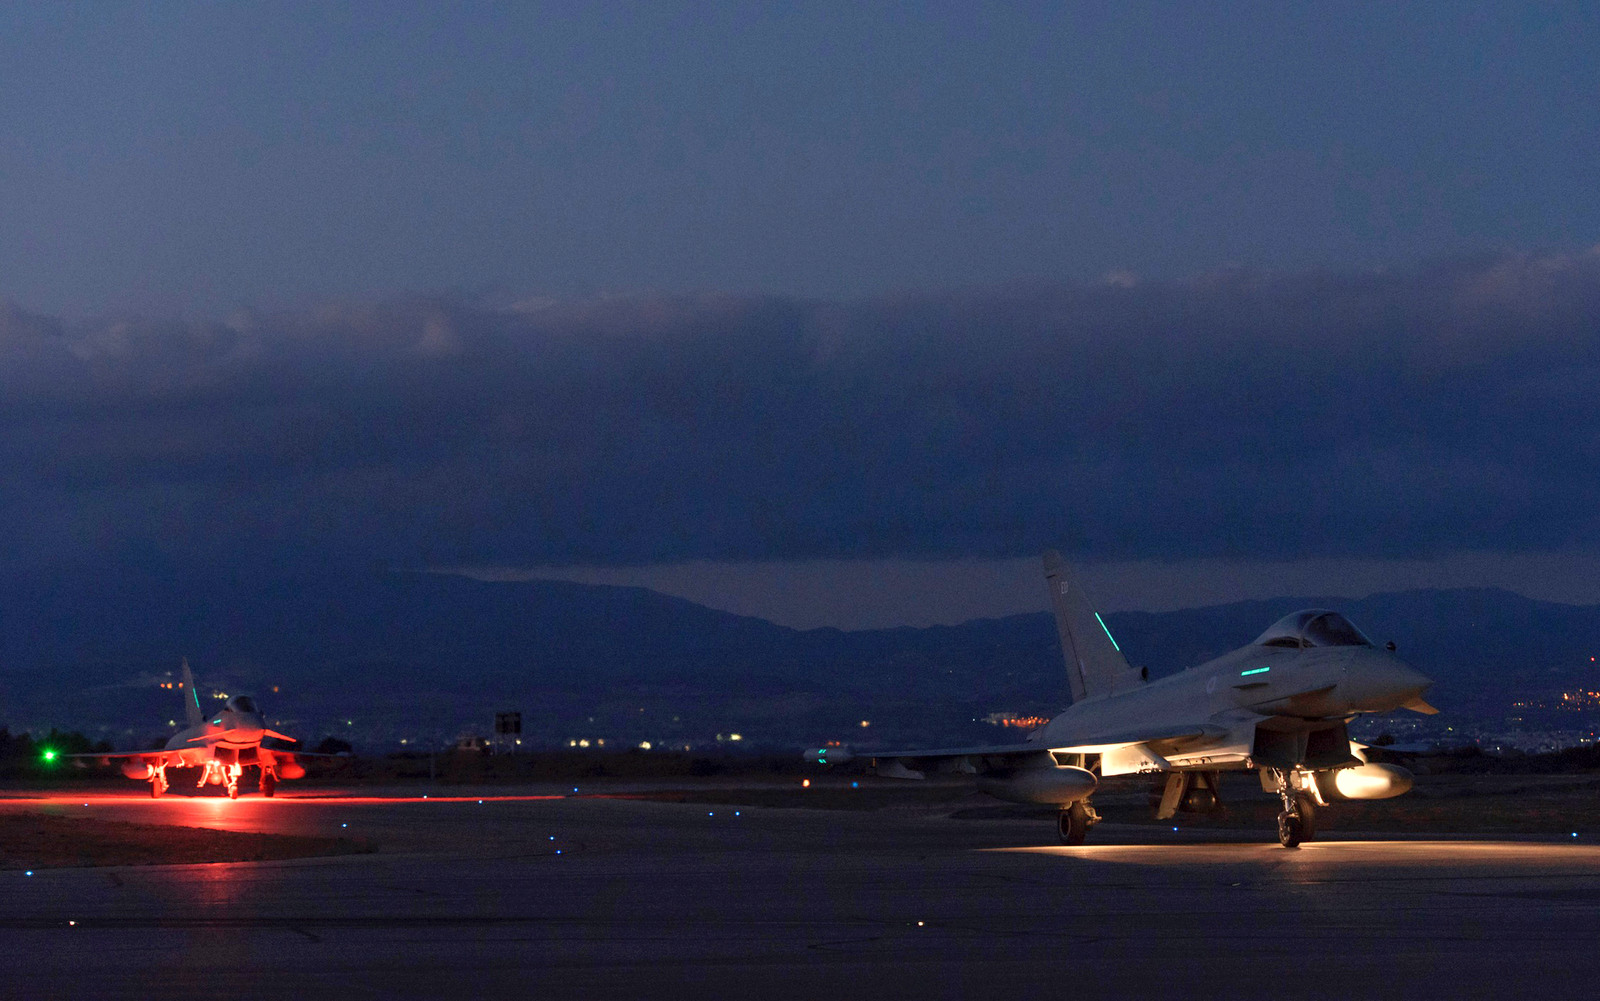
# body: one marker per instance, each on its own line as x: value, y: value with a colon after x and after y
x: 836, y: 314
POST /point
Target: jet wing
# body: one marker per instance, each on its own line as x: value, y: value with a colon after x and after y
x: 159, y: 754
x: 997, y: 750
x: 1088, y: 743
x: 1092, y: 743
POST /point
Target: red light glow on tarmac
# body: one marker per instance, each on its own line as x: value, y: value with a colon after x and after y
x: 222, y: 802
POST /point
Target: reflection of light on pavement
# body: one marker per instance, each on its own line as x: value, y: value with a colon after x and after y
x: 1324, y: 854
x: 282, y: 814
x: 222, y: 803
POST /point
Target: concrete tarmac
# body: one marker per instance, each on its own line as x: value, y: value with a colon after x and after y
x: 614, y: 898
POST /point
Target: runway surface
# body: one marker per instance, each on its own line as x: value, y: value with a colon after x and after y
x: 590, y: 897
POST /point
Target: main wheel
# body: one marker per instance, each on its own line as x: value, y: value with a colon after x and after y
x: 1073, y: 824
x: 157, y: 787
x: 1289, y: 830
x: 269, y: 784
x: 233, y: 790
x: 1308, y: 817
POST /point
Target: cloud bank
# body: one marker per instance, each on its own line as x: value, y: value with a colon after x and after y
x: 1446, y: 408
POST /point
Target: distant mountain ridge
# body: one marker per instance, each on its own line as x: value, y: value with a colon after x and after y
x: 430, y: 654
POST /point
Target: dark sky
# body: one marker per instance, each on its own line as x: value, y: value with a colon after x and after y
x: 193, y: 158
x: 601, y: 284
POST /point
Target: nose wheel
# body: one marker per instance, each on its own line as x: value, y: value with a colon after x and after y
x: 1297, y: 822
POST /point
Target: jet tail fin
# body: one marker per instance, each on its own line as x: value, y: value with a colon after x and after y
x: 1094, y: 663
x: 191, y: 700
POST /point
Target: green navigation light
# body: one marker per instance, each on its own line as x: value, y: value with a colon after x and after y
x: 1258, y: 670
x: 49, y: 754
x: 1110, y: 637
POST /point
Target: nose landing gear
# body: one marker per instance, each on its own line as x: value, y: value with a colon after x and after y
x: 217, y: 773
x: 1297, y: 822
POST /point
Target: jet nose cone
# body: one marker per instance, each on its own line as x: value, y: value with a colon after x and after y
x: 1384, y: 683
x: 1406, y: 676
x: 248, y: 726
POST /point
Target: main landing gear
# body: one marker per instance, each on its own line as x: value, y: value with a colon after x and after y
x: 269, y: 782
x: 158, y: 781
x: 1074, y: 821
x: 1297, y: 822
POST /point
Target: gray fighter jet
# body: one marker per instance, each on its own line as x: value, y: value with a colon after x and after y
x: 222, y: 747
x: 1279, y: 706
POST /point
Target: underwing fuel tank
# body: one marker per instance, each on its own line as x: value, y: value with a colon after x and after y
x: 1371, y: 781
x: 1055, y: 785
x: 136, y: 769
x: 827, y: 755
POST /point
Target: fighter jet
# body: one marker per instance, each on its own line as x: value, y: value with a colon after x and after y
x: 222, y: 747
x: 1279, y: 706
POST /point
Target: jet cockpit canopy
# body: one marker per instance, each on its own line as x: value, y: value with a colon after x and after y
x: 1313, y: 627
x: 242, y: 704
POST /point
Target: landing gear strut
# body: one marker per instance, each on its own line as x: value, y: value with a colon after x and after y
x: 1297, y: 822
x: 1074, y: 820
x: 158, y: 781
x: 217, y: 773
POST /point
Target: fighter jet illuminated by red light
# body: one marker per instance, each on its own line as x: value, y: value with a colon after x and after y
x: 222, y: 746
